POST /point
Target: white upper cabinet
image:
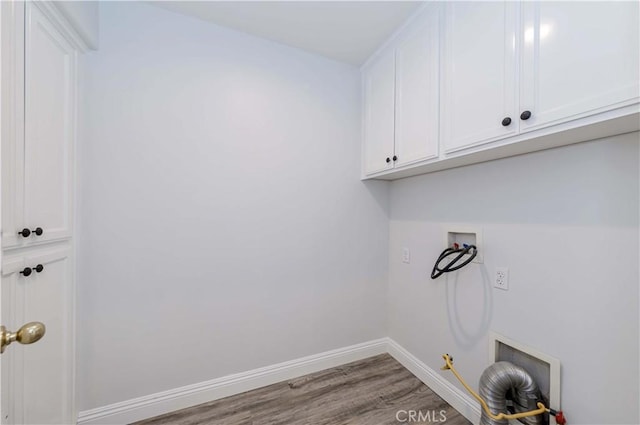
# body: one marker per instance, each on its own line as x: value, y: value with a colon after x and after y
x: 417, y: 103
x: 38, y: 177
x: 578, y: 58
x: 575, y: 59
x: 401, y: 105
x: 379, y: 92
x: 479, y: 73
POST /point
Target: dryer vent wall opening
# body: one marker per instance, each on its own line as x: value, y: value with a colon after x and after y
x: 543, y: 368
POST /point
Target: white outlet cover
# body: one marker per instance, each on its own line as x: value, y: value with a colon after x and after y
x: 501, y: 278
x: 406, y: 255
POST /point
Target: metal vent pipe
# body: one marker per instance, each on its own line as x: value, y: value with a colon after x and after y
x: 502, y: 378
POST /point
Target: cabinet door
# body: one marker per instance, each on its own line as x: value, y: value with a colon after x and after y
x: 417, y: 103
x: 479, y: 73
x: 44, y: 185
x: 379, y: 89
x: 37, y: 385
x: 12, y: 121
x: 579, y: 58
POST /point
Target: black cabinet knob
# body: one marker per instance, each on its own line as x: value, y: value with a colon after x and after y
x: 525, y: 115
x: 506, y: 121
x: 395, y: 157
x: 388, y: 160
x: 26, y: 232
x: 28, y: 270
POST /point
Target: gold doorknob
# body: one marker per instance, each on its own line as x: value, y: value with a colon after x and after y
x: 27, y: 334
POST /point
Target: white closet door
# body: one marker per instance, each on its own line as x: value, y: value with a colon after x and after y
x: 12, y: 98
x: 38, y: 388
x: 417, y: 87
x: 49, y: 116
x: 579, y: 58
x: 479, y: 73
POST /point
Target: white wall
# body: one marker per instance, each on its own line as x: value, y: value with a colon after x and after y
x: 565, y: 223
x: 222, y: 222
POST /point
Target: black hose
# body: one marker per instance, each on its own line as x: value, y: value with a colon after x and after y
x: 437, y: 271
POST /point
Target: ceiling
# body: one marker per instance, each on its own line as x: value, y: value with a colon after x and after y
x: 346, y: 31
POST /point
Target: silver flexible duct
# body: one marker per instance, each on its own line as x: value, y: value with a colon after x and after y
x: 503, y: 377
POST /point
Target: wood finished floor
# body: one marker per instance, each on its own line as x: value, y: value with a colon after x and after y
x: 366, y: 392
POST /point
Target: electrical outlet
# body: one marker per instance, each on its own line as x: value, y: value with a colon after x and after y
x: 501, y: 279
x: 406, y: 255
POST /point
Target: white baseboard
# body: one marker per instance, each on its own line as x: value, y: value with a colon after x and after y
x: 463, y: 403
x: 179, y: 398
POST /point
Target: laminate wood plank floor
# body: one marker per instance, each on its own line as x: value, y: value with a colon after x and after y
x: 374, y: 391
